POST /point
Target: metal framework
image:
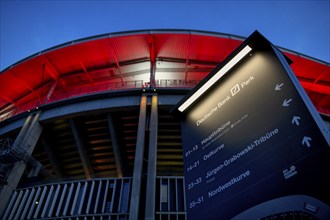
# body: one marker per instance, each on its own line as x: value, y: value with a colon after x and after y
x: 10, y: 153
x: 155, y: 58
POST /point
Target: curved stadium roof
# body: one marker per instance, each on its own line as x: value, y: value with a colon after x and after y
x: 126, y: 60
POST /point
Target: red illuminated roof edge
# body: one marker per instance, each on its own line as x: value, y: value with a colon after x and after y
x: 154, y: 31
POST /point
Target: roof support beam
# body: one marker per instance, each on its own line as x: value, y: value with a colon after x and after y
x: 49, y: 67
x: 116, y: 60
x: 320, y: 76
x: 82, y: 149
x: 130, y: 62
x: 83, y: 67
x: 318, y: 88
x: 187, y: 59
x: 138, y: 161
x: 22, y: 81
x: 191, y: 62
x: 109, y: 67
x: 152, y: 61
x: 115, y: 146
x: 53, y: 72
x: 14, y: 102
x: 151, y: 48
x: 51, y: 90
x: 9, y: 100
x: 152, y: 74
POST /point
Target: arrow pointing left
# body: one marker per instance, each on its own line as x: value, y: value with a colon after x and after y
x: 286, y: 102
x: 278, y: 86
x: 306, y: 141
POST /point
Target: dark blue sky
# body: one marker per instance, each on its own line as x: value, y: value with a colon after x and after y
x: 27, y: 27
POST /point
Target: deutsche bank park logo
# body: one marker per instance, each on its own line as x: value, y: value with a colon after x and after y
x: 235, y: 90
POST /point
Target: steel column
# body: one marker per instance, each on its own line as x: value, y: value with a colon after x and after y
x: 81, y: 147
x: 115, y: 147
x: 152, y: 160
x: 138, y: 161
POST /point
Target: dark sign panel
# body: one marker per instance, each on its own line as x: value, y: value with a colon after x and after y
x: 252, y: 147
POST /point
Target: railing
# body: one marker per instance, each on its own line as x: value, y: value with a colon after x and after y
x: 90, y: 89
x: 170, y: 198
x: 91, y: 199
x: 59, y: 94
x: 94, y: 199
x: 176, y: 83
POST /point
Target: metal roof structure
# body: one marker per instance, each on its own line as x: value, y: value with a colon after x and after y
x: 152, y: 58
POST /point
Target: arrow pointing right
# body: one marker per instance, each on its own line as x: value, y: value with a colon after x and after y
x: 306, y: 141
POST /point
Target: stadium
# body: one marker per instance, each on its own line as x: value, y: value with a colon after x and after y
x: 85, y: 128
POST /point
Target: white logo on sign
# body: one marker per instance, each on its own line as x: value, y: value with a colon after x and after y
x: 235, y: 90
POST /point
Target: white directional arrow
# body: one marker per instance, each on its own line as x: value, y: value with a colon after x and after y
x: 278, y: 86
x: 286, y: 102
x: 306, y: 141
x: 295, y: 120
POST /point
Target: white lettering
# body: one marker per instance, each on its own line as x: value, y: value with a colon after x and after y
x: 200, y: 121
x: 210, y: 113
x: 216, y: 132
x: 233, y: 181
x: 247, y: 82
x: 242, y: 153
x: 211, y: 153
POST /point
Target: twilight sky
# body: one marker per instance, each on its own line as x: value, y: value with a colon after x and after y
x: 27, y: 27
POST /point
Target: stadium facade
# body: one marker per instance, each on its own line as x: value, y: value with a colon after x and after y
x: 85, y: 128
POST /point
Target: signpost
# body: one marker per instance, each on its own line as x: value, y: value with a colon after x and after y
x: 252, y: 140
